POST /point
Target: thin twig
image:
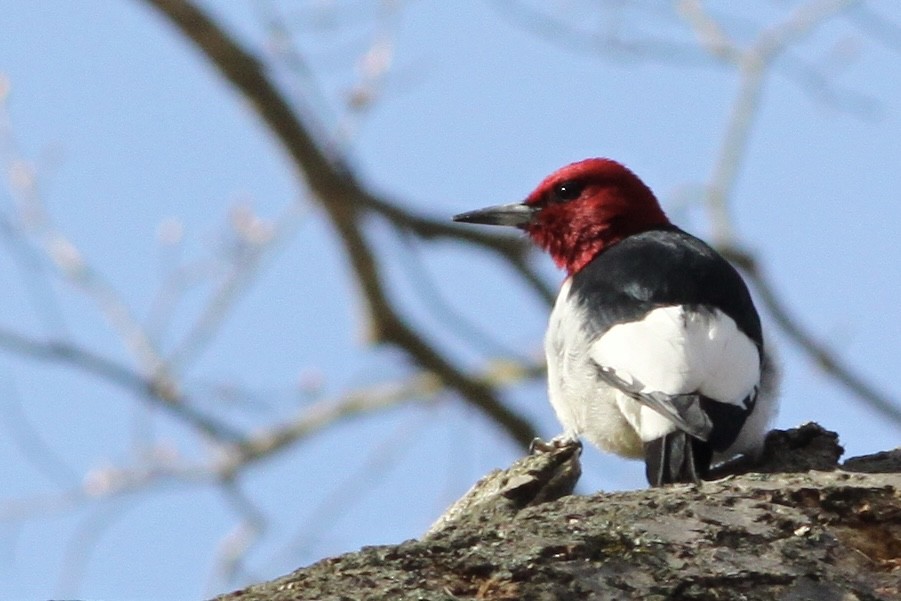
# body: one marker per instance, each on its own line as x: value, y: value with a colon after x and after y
x: 83, y: 543
x: 147, y: 389
x: 69, y: 264
x: 876, y: 26
x: 607, y: 44
x: 353, y: 484
x: 753, y: 65
x: 253, y: 249
x: 31, y: 442
x: 229, y: 565
x: 314, y: 419
x: 343, y: 199
x: 821, y: 355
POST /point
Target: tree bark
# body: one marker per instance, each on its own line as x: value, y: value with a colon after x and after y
x: 799, y: 527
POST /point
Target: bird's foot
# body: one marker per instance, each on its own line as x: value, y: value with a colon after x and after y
x: 558, y: 442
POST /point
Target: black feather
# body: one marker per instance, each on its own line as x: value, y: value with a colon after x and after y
x: 676, y: 457
x: 705, y: 426
x: 727, y: 420
x: 658, y: 268
x: 669, y: 267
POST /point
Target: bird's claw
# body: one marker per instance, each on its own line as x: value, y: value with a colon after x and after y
x: 558, y: 442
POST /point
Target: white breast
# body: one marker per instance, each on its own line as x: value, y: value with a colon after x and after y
x: 584, y: 405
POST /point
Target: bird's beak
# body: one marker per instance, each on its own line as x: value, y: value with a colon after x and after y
x: 517, y: 215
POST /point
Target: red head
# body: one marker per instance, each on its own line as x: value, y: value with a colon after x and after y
x: 580, y: 210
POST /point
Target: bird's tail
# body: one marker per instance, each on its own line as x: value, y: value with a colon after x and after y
x: 676, y: 457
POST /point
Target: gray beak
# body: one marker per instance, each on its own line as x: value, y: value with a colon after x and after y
x: 516, y: 215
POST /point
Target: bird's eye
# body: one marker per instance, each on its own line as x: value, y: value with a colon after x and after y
x: 569, y: 190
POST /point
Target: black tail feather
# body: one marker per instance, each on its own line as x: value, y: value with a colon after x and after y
x: 676, y: 457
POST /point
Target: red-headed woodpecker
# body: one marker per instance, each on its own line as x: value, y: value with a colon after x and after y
x: 654, y: 347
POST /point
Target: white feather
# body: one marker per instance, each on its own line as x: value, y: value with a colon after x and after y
x: 677, y: 350
x: 584, y: 406
x: 673, y: 350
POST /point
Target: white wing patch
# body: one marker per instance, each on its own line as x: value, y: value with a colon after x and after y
x: 675, y: 351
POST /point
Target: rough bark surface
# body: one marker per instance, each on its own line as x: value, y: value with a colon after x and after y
x: 799, y: 527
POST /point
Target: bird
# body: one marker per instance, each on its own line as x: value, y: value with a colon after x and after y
x: 654, y: 347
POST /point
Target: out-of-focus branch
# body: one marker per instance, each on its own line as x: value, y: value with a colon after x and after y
x: 146, y: 388
x: 69, y: 263
x: 753, y: 65
x: 31, y: 442
x: 342, y: 197
x: 353, y: 485
x: 876, y: 26
x: 60, y: 252
x: 255, y: 241
x: 82, y: 544
x: 821, y: 355
x: 266, y: 443
x: 517, y: 251
x: 607, y: 43
x: 28, y: 260
x: 234, y: 547
x: 106, y: 483
x: 316, y: 418
x: 235, y: 451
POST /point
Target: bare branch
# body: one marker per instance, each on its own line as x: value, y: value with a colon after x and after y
x: 354, y: 484
x: 876, y: 26
x: 69, y: 263
x: 255, y: 242
x: 753, y: 65
x: 516, y: 250
x: 30, y: 440
x: 82, y: 543
x: 34, y: 275
x: 40, y: 506
x: 708, y: 31
x: 821, y: 355
x: 342, y: 197
x: 816, y: 83
x: 145, y: 388
x: 234, y: 547
x: 454, y: 322
x: 314, y: 419
x: 104, y: 483
x: 609, y: 43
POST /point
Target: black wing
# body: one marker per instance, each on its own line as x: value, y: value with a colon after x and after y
x: 659, y: 268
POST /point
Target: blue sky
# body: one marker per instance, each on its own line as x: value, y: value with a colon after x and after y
x: 129, y: 130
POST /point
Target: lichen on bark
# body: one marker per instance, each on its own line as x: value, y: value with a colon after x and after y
x: 800, y: 527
